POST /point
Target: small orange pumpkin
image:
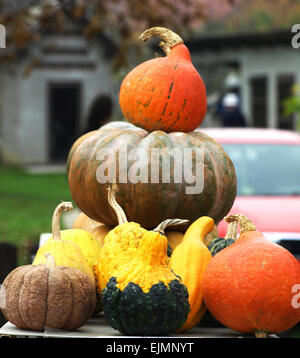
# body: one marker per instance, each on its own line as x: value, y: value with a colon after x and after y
x: 165, y: 93
x: 248, y: 286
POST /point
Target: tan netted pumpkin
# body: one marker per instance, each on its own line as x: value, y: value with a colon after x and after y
x: 39, y: 296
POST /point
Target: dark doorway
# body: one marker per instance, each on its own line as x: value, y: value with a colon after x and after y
x: 64, y: 118
x: 258, y: 87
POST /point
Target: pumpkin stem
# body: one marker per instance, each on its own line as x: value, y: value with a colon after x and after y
x: 50, y: 263
x: 113, y: 203
x: 232, y: 231
x: 163, y: 225
x: 260, y: 333
x: 63, y: 206
x: 245, y: 223
x: 170, y: 38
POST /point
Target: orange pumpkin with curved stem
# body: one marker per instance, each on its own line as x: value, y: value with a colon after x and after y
x: 165, y: 93
x: 248, y: 286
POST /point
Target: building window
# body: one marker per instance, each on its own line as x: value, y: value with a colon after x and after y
x: 284, y: 88
x: 258, y: 96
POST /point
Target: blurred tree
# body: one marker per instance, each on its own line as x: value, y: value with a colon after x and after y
x: 120, y: 20
x: 291, y: 105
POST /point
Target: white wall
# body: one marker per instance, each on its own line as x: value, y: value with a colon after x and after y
x: 10, y: 119
x: 25, y: 113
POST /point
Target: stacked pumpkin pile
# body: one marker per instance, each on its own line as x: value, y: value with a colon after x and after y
x: 124, y: 255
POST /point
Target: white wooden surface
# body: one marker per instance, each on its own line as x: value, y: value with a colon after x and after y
x: 97, y: 327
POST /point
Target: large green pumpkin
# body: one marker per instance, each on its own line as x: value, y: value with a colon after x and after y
x: 146, y: 202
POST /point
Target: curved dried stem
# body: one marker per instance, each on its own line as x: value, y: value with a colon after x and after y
x: 63, y: 206
x: 169, y: 222
x: 113, y: 203
x: 170, y: 38
x: 245, y: 223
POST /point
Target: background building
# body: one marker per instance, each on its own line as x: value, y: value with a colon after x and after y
x: 249, y: 51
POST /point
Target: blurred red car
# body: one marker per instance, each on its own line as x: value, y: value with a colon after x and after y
x: 267, y: 163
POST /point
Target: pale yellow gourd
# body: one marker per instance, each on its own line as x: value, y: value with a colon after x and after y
x: 71, y: 248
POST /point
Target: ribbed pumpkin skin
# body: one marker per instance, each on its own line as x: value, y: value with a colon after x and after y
x: 162, y: 200
x: 37, y: 297
x: 165, y: 93
x: 248, y: 285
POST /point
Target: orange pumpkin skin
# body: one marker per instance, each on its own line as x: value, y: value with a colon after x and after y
x: 165, y: 93
x: 248, y: 286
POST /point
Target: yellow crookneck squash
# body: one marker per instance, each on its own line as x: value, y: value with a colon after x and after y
x: 121, y: 243
x: 189, y: 261
x: 72, y: 248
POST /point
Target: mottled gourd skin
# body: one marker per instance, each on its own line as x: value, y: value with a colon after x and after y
x: 139, y: 199
x: 161, y: 310
x: 219, y: 244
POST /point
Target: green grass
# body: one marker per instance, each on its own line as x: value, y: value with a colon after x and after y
x: 27, y: 202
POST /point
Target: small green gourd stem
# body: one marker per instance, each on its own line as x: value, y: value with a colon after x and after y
x: 113, y: 203
x: 63, y: 206
x: 169, y: 222
x: 170, y: 38
x: 244, y: 222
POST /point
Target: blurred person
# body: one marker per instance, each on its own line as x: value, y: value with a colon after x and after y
x: 100, y: 112
x: 231, y: 115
